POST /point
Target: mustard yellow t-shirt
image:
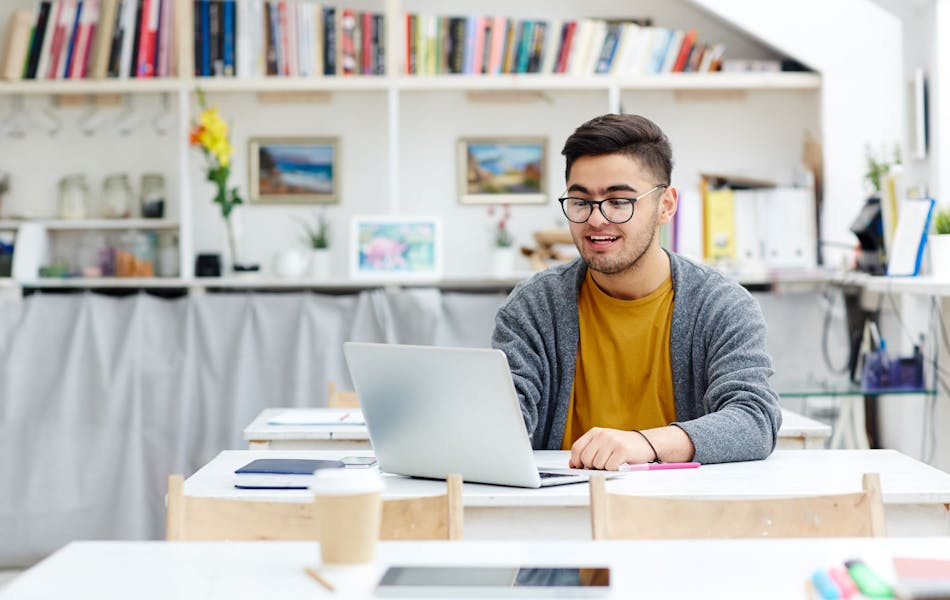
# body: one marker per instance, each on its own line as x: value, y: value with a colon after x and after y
x: 623, y: 378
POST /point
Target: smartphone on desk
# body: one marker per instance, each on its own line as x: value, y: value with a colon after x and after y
x: 358, y: 462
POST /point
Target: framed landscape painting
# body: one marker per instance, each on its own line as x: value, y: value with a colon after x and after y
x: 294, y: 170
x: 502, y: 170
x: 390, y: 247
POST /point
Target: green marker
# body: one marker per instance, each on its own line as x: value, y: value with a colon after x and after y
x: 867, y: 580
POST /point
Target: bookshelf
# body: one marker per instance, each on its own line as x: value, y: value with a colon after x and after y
x: 402, y: 128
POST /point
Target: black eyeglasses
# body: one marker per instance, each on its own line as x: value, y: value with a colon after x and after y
x: 615, y: 210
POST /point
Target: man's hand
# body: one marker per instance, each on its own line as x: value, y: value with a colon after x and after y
x: 602, y: 448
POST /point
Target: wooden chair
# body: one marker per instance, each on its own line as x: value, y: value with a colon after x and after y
x: 195, y: 518
x: 626, y: 517
x: 338, y: 398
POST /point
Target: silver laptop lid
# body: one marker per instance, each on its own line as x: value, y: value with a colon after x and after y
x: 432, y: 411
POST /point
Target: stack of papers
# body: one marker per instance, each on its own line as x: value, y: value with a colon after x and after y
x: 318, y: 416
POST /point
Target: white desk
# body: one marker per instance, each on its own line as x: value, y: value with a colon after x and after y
x: 914, y: 493
x: 261, y: 435
x: 712, y: 569
x: 797, y: 432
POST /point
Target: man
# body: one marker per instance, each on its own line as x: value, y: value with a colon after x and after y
x: 631, y: 354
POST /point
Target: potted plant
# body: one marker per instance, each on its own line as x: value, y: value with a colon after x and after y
x: 211, y: 135
x: 318, y: 240
x: 939, y: 245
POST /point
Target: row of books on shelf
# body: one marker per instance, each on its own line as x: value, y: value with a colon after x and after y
x: 253, y: 38
x: 497, y: 45
x: 95, y: 39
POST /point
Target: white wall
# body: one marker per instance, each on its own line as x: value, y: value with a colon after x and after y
x: 857, y: 47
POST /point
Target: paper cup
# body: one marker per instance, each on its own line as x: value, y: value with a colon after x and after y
x: 349, y: 507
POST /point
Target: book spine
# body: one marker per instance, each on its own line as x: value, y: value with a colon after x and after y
x: 348, y: 42
x: 283, y: 63
x: 329, y: 41
x: 379, y: 41
x: 17, y: 44
x: 72, y: 42
x: 498, y: 28
x: 57, y: 48
x: 46, y: 50
x: 228, y: 38
x: 136, y: 30
x: 36, y: 44
x: 368, y: 37
x: 101, y: 45
x: 87, y: 33
x: 271, y: 29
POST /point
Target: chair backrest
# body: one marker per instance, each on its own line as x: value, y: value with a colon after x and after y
x: 194, y: 518
x: 337, y: 398
x: 627, y: 517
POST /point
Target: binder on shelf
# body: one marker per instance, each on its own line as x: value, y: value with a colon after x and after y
x: 910, y: 237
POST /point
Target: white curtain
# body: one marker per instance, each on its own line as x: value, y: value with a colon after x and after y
x: 102, y: 397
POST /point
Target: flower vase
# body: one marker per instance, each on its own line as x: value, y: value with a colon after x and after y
x: 234, y: 226
x: 503, y: 261
x: 320, y: 264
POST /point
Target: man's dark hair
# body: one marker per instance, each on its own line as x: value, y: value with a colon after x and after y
x: 631, y: 135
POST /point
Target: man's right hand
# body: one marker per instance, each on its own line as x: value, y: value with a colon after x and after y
x: 602, y: 448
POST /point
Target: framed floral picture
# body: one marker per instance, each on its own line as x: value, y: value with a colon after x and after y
x: 391, y: 247
x: 294, y: 170
x: 502, y: 170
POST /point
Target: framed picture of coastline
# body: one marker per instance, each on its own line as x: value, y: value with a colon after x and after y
x: 502, y: 170
x: 387, y: 247
x: 294, y: 170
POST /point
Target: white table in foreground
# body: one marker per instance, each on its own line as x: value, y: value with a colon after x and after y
x: 797, y: 432
x: 773, y: 569
x: 915, y: 495
x: 261, y: 435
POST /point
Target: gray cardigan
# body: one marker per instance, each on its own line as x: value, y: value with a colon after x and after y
x: 717, y: 349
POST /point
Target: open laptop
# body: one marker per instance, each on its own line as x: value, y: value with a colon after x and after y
x: 432, y: 411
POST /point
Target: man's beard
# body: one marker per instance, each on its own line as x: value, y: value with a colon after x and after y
x: 612, y: 265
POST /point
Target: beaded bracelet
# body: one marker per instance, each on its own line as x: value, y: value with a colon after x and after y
x: 656, y: 457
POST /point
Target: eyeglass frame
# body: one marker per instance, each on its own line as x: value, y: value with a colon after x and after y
x: 600, y: 205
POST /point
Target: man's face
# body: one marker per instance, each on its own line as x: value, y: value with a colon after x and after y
x: 612, y: 248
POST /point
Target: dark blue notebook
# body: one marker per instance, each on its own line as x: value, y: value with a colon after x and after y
x: 280, y: 473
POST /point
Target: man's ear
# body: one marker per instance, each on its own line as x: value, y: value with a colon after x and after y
x: 667, y: 205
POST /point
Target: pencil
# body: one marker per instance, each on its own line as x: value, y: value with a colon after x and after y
x: 319, y: 579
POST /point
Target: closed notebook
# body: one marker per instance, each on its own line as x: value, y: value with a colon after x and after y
x: 280, y: 473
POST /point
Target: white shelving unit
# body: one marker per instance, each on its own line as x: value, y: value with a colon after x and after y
x: 398, y: 92
x: 92, y: 224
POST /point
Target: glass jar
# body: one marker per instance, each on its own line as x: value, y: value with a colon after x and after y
x: 135, y: 255
x: 153, y: 196
x: 168, y: 256
x: 73, y: 197
x: 116, y: 201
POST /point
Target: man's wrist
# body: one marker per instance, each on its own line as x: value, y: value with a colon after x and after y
x: 656, y: 456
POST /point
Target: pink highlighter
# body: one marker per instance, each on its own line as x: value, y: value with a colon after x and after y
x: 626, y: 468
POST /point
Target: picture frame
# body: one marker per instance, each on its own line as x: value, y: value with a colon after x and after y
x: 294, y: 170
x: 502, y: 170
x: 387, y: 247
